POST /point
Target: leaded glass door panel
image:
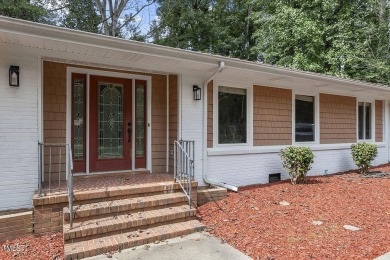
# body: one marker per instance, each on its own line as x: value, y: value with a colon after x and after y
x: 78, y: 121
x: 140, y: 124
x: 110, y: 124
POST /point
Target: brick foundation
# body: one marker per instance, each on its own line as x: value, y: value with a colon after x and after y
x: 206, y: 195
x: 15, y: 225
x: 48, y: 218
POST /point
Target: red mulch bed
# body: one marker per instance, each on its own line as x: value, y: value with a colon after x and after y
x: 33, y: 247
x: 254, y: 222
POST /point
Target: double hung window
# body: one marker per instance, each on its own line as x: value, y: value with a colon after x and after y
x: 232, y: 115
x: 304, y: 118
x: 364, y: 121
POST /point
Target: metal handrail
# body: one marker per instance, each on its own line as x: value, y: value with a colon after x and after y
x: 184, y: 166
x: 70, y: 185
x: 59, y: 148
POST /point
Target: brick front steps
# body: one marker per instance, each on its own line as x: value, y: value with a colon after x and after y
x: 129, y: 222
x: 48, y: 209
x: 126, y: 205
x: 98, y: 246
x: 113, y: 218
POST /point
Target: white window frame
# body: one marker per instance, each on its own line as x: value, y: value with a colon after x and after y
x: 316, y: 96
x: 249, y: 112
x: 372, y: 102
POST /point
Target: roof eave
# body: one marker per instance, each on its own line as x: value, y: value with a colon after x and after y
x: 73, y: 36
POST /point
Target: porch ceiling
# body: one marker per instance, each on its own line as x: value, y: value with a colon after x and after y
x: 86, y: 48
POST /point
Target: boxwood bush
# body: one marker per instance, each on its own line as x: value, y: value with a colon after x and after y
x: 297, y: 161
x: 363, y: 154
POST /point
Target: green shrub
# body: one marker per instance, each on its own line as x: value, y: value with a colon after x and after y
x: 363, y: 154
x: 297, y: 161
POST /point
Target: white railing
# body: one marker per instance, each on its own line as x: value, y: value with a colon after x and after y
x: 56, y: 160
x: 183, y: 153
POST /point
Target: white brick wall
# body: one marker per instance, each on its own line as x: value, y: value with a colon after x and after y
x: 18, y: 132
x: 247, y: 169
x: 192, y: 120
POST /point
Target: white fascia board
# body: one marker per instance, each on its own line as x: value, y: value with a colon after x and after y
x: 21, y: 27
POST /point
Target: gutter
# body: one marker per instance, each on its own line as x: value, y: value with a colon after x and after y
x: 204, y: 168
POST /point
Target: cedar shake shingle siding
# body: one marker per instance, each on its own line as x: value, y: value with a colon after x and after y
x: 379, y: 120
x: 159, y: 123
x: 272, y: 115
x: 54, y: 102
x: 337, y: 119
x: 173, y: 116
x: 54, y: 115
x: 54, y: 110
x: 210, y: 115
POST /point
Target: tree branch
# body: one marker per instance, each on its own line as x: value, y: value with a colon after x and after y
x: 132, y: 16
x: 59, y: 8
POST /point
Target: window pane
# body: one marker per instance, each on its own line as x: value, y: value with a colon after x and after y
x: 368, y: 120
x: 304, y: 118
x: 110, y: 121
x: 140, y: 121
x: 232, y: 115
x: 361, y: 120
x: 78, y: 116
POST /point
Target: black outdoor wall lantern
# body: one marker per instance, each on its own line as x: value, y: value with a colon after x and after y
x: 197, y: 92
x: 14, y: 76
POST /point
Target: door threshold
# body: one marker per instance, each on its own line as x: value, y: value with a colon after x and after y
x: 111, y: 173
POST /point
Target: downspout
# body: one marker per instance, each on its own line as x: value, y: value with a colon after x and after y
x: 204, y: 168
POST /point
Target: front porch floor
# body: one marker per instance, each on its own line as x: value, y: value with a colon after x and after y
x: 102, y: 181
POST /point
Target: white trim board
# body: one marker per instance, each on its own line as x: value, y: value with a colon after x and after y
x: 316, y: 116
x: 133, y: 77
x: 373, y: 119
x: 277, y: 148
x: 249, y: 112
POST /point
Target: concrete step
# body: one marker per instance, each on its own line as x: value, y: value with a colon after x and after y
x: 131, y: 239
x: 126, y: 205
x: 87, y: 228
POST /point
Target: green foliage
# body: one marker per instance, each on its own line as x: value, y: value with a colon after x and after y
x: 81, y: 15
x: 215, y: 26
x: 24, y: 9
x: 297, y: 161
x: 363, y: 154
x: 343, y: 38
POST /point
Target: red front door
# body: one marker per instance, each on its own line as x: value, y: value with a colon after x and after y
x: 110, y: 124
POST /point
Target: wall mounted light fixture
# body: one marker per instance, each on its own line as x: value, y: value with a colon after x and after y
x: 197, y: 92
x: 14, y: 76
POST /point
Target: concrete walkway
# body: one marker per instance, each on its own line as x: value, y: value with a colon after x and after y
x: 384, y: 257
x: 198, y: 246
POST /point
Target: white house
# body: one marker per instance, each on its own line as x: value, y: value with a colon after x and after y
x: 120, y: 105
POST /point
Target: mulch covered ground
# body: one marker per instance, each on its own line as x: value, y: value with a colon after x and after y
x: 33, y: 247
x: 254, y: 221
